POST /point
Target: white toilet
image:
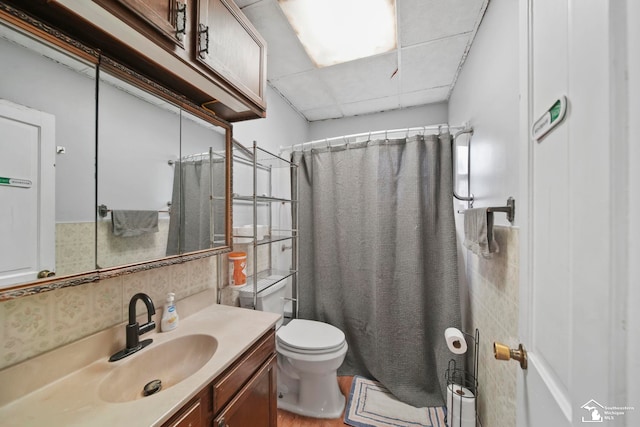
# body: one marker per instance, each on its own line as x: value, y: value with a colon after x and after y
x: 309, y: 354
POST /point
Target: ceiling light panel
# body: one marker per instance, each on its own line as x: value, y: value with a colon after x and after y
x: 337, y: 31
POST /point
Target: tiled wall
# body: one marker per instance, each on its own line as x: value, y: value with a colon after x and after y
x: 32, y: 325
x: 75, y: 247
x: 493, y: 292
x: 76, y: 250
x: 113, y: 251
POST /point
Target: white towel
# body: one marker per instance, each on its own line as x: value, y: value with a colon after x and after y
x: 478, y: 232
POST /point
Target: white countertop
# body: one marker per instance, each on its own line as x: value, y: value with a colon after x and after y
x: 73, y: 400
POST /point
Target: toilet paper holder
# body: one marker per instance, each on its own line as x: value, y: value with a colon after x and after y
x: 503, y: 352
x: 462, y: 386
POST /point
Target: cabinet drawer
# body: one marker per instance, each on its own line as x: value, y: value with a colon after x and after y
x: 233, y: 380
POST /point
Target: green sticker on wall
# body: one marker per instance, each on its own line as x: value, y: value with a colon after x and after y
x: 550, y: 119
x: 15, y: 182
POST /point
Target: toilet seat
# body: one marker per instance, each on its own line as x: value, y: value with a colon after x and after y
x: 310, y: 337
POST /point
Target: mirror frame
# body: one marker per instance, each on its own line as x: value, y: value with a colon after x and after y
x: 36, y: 28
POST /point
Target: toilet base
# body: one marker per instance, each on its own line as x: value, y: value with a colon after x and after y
x: 289, y: 402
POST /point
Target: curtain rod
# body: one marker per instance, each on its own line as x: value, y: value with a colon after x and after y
x: 386, y: 133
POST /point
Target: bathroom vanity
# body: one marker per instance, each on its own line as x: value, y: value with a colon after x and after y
x: 244, y: 395
x: 218, y: 368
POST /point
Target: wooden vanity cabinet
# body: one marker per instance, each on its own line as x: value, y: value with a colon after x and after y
x: 243, y: 395
x: 254, y: 404
x: 190, y: 416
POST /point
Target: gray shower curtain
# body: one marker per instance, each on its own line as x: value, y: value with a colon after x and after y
x: 191, y: 212
x: 378, y: 258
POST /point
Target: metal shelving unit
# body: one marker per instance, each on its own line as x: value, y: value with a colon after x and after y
x: 263, y: 161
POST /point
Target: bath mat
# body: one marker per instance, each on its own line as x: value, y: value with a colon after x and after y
x: 372, y: 405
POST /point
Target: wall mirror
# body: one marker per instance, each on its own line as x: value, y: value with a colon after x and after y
x: 48, y: 139
x: 202, y: 197
x: 138, y: 134
x: 161, y: 177
x: 103, y: 140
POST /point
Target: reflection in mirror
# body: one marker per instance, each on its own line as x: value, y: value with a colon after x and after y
x: 47, y: 160
x: 199, y: 188
x: 138, y: 135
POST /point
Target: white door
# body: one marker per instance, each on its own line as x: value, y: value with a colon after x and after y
x: 573, y: 233
x: 27, y: 193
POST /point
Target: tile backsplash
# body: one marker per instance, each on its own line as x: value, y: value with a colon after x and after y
x: 113, y: 250
x: 35, y: 324
x: 494, y: 293
x: 76, y: 248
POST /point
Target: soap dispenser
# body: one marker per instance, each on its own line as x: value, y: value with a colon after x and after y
x: 170, y: 315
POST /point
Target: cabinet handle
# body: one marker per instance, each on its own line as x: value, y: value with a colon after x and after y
x: 181, y: 20
x: 221, y: 423
x: 203, y: 33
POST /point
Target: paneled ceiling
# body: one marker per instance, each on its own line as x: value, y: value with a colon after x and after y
x: 434, y: 37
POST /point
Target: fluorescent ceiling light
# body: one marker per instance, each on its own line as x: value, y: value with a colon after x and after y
x: 336, y: 31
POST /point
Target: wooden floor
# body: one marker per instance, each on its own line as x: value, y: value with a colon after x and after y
x: 287, y: 419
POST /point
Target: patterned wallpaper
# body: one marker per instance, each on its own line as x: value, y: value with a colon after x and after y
x: 32, y: 325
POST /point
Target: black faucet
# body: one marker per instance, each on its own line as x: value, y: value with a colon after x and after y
x: 134, y: 330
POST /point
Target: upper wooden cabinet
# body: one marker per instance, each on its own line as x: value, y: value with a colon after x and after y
x: 206, y: 50
x: 229, y: 45
x: 168, y: 17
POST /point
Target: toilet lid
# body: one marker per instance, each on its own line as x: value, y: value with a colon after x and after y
x: 310, y: 335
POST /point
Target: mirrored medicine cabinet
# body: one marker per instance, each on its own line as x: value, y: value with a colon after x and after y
x: 139, y: 176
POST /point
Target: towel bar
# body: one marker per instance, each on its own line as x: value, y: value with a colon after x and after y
x: 510, y: 209
x: 103, y: 210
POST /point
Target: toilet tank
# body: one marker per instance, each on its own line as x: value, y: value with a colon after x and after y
x: 270, y: 299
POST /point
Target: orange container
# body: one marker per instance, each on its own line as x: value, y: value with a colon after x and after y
x: 237, y: 268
